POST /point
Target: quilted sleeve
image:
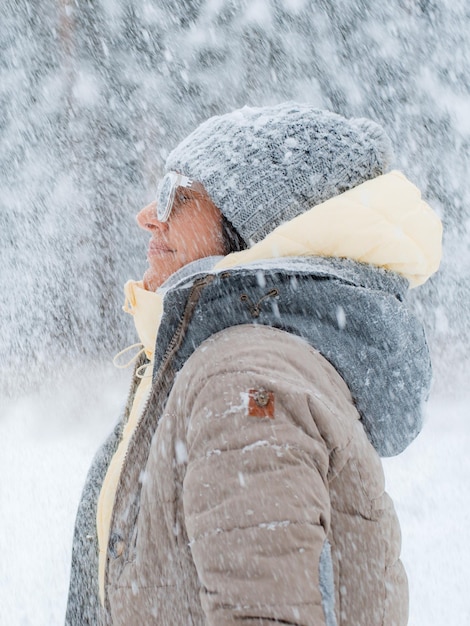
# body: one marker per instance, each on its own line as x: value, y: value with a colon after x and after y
x: 256, y: 500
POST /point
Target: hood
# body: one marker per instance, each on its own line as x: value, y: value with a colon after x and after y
x: 146, y: 307
x: 383, y: 222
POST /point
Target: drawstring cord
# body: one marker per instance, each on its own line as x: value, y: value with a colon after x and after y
x: 132, y: 360
x: 140, y: 374
x: 140, y: 370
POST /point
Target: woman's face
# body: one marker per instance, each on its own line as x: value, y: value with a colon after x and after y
x: 193, y: 231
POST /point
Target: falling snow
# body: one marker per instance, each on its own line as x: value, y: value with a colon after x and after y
x: 92, y: 98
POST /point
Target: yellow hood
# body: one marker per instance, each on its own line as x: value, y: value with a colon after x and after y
x: 383, y: 222
x: 146, y: 307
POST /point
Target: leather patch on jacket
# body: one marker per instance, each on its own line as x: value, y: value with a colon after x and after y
x: 261, y: 403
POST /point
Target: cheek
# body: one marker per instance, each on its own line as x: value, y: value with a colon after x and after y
x: 202, y: 236
x: 197, y: 231
x: 211, y: 240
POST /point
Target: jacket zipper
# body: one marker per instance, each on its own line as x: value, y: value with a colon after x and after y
x: 159, y: 381
x: 175, y: 341
x: 173, y: 345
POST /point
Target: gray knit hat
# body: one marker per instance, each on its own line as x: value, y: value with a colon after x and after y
x: 263, y: 166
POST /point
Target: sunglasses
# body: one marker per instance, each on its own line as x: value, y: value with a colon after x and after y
x: 167, y: 189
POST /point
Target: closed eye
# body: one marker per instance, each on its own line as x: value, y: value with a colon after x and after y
x: 182, y: 196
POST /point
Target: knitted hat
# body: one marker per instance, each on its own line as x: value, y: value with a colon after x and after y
x: 264, y: 166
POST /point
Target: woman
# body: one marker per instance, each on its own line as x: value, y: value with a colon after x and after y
x: 243, y: 483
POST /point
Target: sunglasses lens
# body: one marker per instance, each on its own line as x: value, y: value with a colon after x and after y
x: 166, y: 193
x: 165, y: 197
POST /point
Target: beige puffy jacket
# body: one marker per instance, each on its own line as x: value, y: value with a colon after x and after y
x: 257, y: 461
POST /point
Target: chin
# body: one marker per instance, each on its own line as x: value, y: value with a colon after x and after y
x: 152, y: 281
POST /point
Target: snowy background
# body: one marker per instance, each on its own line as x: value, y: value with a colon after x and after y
x: 93, y: 94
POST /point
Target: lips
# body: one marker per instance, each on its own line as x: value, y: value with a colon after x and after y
x: 158, y: 247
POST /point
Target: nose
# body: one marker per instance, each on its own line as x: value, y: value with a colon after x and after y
x: 147, y: 218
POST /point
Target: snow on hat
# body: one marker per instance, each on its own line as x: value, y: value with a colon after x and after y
x: 264, y: 166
